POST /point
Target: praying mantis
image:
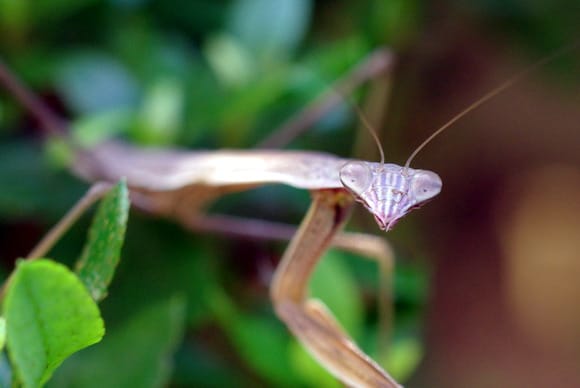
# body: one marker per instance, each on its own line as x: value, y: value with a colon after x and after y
x: 179, y: 184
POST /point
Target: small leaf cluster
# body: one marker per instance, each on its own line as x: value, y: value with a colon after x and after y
x: 50, y: 312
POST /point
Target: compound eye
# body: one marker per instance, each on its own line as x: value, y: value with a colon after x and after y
x: 426, y: 185
x: 356, y: 176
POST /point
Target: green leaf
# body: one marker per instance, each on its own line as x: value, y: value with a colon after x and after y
x: 136, y: 354
x: 49, y: 316
x: 103, y: 249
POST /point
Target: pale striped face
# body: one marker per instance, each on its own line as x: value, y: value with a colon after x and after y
x: 389, y: 191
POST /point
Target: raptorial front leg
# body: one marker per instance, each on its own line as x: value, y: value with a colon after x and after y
x: 367, y: 246
x: 309, y: 320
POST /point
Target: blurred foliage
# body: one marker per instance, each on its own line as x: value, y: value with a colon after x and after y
x: 49, y: 312
x: 201, y: 74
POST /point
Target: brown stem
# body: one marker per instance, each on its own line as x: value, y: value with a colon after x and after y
x: 48, y: 120
x: 370, y: 67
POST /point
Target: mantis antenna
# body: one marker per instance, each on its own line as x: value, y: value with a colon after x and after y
x: 494, y: 92
x: 371, y: 130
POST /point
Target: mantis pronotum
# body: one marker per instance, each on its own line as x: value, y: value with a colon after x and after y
x: 178, y: 184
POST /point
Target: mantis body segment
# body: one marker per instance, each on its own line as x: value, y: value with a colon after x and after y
x: 388, y: 191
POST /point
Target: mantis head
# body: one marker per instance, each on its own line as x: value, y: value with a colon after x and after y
x: 389, y: 191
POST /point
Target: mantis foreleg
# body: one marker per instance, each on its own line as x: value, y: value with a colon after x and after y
x: 308, y: 319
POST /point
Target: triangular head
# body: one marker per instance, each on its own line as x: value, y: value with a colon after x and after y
x: 389, y: 191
